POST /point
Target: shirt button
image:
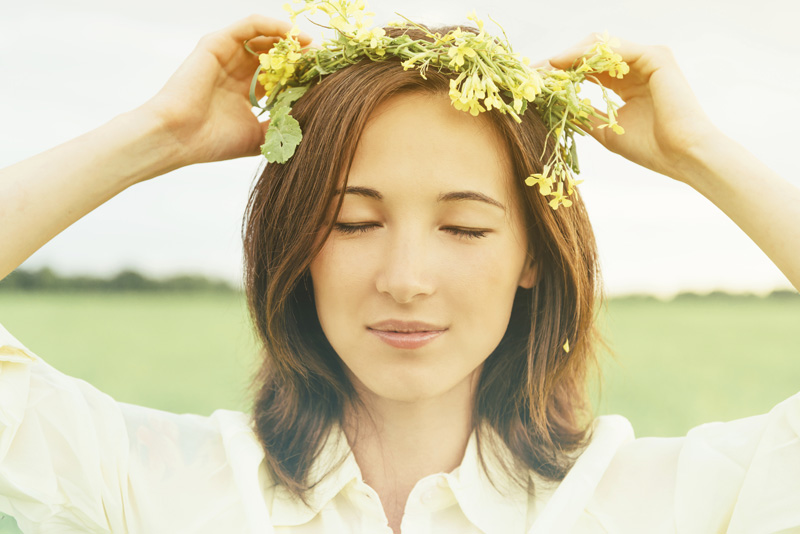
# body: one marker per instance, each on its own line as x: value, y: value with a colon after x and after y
x: 428, y: 497
x: 442, y: 481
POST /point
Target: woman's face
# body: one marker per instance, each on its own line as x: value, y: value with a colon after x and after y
x: 418, y: 173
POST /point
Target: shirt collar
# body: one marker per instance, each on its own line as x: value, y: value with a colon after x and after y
x: 290, y: 511
x: 496, y: 508
x: 492, y: 511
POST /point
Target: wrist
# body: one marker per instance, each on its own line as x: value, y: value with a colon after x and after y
x: 152, y: 149
x: 700, y: 163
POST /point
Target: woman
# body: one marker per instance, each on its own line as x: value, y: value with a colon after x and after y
x: 408, y: 250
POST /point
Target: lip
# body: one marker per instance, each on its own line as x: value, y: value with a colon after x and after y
x: 407, y: 340
x: 397, y: 325
x: 406, y: 334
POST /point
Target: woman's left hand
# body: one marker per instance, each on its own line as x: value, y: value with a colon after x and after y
x: 667, y: 131
x: 662, y: 118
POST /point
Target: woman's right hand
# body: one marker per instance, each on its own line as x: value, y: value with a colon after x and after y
x: 205, y: 105
x: 201, y: 114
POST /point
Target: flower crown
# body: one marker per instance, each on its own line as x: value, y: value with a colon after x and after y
x: 489, y: 76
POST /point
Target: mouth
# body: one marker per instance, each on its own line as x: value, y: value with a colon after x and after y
x: 405, y: 327
x: 407, y: 340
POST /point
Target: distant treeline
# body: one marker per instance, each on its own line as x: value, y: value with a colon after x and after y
x: 46, y: 279
x: 720, y: 295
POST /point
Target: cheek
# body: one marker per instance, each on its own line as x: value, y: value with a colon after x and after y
x: 493, y: 270
x: 323, y: 270
x: 340, y: 268
x: 338, y: 280
x: 479, y: 296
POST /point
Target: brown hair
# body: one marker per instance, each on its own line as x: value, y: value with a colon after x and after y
x: 531, y: 391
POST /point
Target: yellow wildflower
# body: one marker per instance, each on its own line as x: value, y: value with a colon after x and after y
x: 442, y: 39
x: 372, y: 36
x: 490, y: 76
x: 341, y: 24
x: 473, y: 106
x: 543, y: 180
x: 615, y: 127
x: 474, y: 18
x: 559, y: 199
x: 457, y: 54
x: 355, y: 7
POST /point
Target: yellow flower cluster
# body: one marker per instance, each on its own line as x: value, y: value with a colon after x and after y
x: 488, y: 75
x: 486, y: 69
x: 561, y: 108
x: 278, y: 64
x: 601, y: 58
x: 550, y: 177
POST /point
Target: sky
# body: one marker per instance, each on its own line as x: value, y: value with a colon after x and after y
x: 67, y: 68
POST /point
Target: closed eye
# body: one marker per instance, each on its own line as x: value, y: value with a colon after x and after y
x: 361, y: 228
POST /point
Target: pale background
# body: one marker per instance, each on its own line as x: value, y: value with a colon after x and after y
x: 66, y: 68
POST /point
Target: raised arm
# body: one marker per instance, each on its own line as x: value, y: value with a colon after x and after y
x: 201, y: 114
x: 667, y: 131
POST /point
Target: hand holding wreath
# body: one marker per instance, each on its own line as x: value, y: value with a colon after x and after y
x: 205, y: 105
x: 661, y: 116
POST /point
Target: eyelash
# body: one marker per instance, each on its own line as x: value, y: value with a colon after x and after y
x: 361, y: 228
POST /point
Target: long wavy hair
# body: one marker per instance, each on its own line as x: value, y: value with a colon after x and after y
x: 531, y: 392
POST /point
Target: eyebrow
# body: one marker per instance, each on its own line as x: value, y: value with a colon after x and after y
x: 444, y: 197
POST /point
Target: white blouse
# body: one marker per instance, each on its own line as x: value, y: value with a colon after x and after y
x: 72, y: 459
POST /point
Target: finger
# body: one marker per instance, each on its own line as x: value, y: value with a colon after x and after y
x: 629, y: 50
x: 311, y: 46
x: 259, y: 25
x: 634, y: 54
x: 541, y: 65
x: 594, y: 128
x: 567, y: 58
x: 609, y: 82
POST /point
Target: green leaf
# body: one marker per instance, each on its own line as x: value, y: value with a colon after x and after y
x: 289, y: 96
x: 283, y: 134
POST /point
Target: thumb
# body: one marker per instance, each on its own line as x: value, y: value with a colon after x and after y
x: 264, y: 127
x: 542, y: 64
x: 593, y: 128
x: 256, y: 151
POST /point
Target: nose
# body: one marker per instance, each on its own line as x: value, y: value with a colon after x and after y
x: 405, y: 273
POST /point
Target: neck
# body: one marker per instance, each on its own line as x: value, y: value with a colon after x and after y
x: 400, y: 442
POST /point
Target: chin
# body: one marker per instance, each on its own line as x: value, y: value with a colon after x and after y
x: 411, y: 392
x: 409, y: 387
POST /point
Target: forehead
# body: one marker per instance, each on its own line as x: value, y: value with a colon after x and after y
x: 418, y: 143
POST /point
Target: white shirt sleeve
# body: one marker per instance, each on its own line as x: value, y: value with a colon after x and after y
x: 63, y: 447
x: 72, y: 459
x: 738, y: 477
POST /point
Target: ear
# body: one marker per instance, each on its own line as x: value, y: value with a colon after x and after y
x: 530, y: 275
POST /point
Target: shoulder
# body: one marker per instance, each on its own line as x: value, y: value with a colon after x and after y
x: 107, y: 465
x: 740, y: 476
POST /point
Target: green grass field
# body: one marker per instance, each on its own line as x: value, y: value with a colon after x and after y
x: 678, y: 364
x: 687, y: 362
